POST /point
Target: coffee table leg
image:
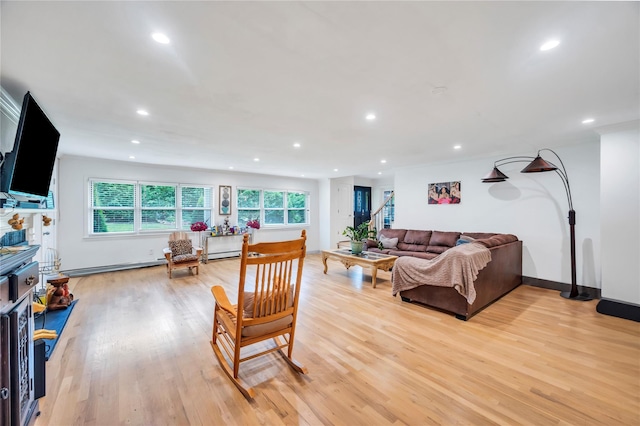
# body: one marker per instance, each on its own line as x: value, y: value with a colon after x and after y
x: 374, y: 274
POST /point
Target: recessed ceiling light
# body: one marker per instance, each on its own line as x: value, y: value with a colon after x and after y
x: 256, y: 159
x: 131, y: 157
x: 379, y: 173
x: 160, y: 38
x: 457, y: 146
x: 142, y: 112
x: 296, y: 145
x: 301, y: 175
x: 335, y: 170
x: 588, y: 120
x: 371, y: 116
x: 383, y: 161
x: 135, y: 141
x: 230, y: 167
x: 550, y: 45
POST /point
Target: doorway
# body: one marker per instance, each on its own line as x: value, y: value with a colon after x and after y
x: 361, y: 204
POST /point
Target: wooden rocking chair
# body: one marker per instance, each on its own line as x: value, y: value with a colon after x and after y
x: 268, y: 292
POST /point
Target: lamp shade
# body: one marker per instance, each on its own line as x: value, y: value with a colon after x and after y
x: 495, y: 176
x: 539, y: 165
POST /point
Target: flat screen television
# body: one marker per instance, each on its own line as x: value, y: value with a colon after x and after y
x: 27, y: 169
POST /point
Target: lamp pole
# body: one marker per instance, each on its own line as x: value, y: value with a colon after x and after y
x: 574, y: 280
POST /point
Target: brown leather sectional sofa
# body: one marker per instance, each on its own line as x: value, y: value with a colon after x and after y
x: 500, y: 276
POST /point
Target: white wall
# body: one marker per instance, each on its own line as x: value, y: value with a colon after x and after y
x: 341, y: 202
x: 79, y: 250
x: 532, y: 206
x: 324, y: 211
x: 620, y: 212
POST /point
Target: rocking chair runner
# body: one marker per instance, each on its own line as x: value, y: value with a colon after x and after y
x: 268, y: 293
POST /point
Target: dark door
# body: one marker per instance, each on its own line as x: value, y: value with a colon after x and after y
x: 361, y: 204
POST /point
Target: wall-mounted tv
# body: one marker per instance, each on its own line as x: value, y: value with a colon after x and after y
x: 27, y: 169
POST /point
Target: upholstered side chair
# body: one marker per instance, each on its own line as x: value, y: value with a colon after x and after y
x: 181, y: 253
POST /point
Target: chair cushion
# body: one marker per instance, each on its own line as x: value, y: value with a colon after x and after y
x: 249, y: 297
x: 179, y: 247
x: 268, y: 327
x: 181, y: 258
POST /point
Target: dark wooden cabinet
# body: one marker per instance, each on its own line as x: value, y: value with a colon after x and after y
x: 18, y: 276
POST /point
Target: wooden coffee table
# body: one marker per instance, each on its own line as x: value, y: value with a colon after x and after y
x: 365, y: 259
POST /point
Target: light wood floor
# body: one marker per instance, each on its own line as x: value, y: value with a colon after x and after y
x: 136, y: 351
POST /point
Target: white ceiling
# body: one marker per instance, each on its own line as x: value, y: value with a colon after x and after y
x: 248, y: 79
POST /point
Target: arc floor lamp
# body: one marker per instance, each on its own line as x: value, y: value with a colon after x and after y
x: 538, y: 164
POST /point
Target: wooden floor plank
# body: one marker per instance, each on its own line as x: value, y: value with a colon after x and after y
x: 136, y: 351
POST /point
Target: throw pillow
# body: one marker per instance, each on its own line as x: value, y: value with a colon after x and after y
x: 388, y: 243
x: 179, y: 247
x: 461, y: 241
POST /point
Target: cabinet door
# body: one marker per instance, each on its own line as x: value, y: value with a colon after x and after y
x: 5, y: 378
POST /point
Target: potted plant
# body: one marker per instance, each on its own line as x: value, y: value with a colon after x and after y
x: 357, y: 235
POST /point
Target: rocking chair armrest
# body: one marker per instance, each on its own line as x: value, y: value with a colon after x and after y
x: 222, y: 300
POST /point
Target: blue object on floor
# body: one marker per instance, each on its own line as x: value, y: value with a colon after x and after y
x: 54, y: 320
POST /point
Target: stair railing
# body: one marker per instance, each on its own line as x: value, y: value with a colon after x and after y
x: 377, y: 217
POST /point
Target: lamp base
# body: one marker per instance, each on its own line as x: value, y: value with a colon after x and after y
x: 583, y: 297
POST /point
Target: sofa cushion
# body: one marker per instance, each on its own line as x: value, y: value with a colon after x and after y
x: 478, y: 235
x: 388, y: 243
x: 371, y: 243
x: 393, y: 233
x: 420, y: 254
x: 437, y: 249
x: 447, y: 239
x: 415, y: 241
x: 417, y: 237
x: 497, y: 240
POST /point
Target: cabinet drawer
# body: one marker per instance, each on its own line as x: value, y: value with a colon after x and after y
x: 22, y: 280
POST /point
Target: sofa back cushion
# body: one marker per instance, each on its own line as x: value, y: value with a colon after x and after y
x: 447, y: 239
x: 442, y: 241
x: 394, y: 233
x: 497, y: 240
x: 415, y: 240
x: 478, y: 235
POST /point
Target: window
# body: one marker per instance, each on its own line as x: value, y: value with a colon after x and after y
x: 248, y: 205
x: 273, y: 208
x: 158, y: 207
x: 389, y: 210
x: 196, y: 205
x: 112, y: 207
x: 296, y: 207
x: 130, y: 207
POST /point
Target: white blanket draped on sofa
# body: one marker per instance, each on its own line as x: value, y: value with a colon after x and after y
x: 457, y: 267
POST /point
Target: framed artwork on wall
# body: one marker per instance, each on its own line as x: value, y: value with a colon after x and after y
x: 445, y: 193
x: 225, y: 199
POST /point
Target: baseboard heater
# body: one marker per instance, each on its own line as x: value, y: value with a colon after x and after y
x: 111, y: 268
